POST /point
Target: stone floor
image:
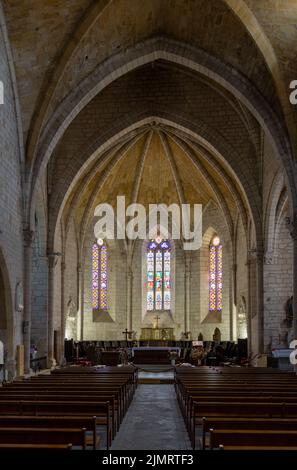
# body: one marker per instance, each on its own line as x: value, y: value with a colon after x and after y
x: 153, y: 421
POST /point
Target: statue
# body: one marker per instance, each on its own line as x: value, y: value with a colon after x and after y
x: 289, y: 312
x: 200, y: 336
x: 185, y: 335
x: 217, y: 335
x: 19, y: 297
x: 286, y: 331
x: 71, y: 320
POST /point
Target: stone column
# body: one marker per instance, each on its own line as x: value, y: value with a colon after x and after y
x: 28, y: 240
x: 129, y: 297
x: 187, y: 291
x: 52, y: 261
x: 232, y: 323
x: 260, y: 300
x: 63, y: 310
x: 80, y: 302
x: 292, y: 226
x: 256, y: 294
x: 249, y: 305
x: 232, y: 302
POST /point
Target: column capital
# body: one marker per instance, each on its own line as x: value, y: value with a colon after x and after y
x: 291, y: 223
x: 28, y: 237
x: 269, y: 257
x: 255, y: 255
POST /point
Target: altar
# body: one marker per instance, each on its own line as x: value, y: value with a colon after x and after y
x: 153, y: 355
x: 157, y: 334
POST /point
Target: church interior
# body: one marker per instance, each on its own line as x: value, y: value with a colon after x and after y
x: 165, y: 102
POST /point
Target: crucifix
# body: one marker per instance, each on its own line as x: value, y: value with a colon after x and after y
x: 127, y: 333
x: 157, y: 318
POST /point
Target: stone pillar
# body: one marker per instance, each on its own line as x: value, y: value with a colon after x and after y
x: 256, y: 296
x: 187, y: 291
x: 232, y: 302
x: 63, y: 309
x: 260, y: 300
x: 52, y: 261
x: 292, y: 226
x: 80, y: 302
x: 129, y: 297
x: 10, y: 367
x: 28, y: 240
x: 249, y: 304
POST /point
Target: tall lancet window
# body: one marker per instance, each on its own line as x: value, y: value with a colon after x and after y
x: 215, y: 275
x: 158, y: 275
x: 99, y: 275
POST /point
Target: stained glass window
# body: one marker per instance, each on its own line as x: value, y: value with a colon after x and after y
x: 158, y: 295
x: 215, y: 275
x: 99, y: 275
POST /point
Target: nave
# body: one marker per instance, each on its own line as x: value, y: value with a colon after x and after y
x: 153, y: 418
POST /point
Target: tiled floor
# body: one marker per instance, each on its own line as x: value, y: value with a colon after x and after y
x: 153, y: 421
x: 156, y: 375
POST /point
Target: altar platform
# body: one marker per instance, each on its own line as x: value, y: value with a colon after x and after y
x: 155, y: 374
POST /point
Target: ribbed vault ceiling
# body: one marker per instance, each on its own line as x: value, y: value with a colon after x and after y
x: 158, y: 164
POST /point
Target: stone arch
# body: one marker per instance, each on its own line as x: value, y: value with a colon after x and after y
x: 270, y: 219
x: 209, y: 321
x: 248, y: 19
x: 173, y: 51
x: 198, y: 131
x: 174, y: 245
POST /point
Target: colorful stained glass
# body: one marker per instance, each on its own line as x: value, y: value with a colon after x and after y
x: 215, y: 276
x: 99, y: 276
x: 219, y: 278
x: 159, y: 260
x: 158, y: 275
x: 150, y: 281
x: 103, y: 277
x: 95, y: 277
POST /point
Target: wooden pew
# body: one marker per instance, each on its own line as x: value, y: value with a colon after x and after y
x: 245, y: 410
x: 240, y: 439
x: 45, y: 436
x: 216, y: 423
x: 61, y: 408
x: 57, y: 397
x: 90, y: 424
x: 10, y: 447
x: 77, y: 392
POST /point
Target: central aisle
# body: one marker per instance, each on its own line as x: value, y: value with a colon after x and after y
x: 153, y: 421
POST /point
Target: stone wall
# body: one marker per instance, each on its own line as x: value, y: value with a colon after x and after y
x: 40, y: 272
x: 11, y: 237
x: 213, y: 222
x: 278, y: 286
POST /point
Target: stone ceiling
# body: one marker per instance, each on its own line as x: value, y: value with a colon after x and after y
x: 56, y: 43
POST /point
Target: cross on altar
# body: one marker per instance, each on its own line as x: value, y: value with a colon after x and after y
x: 127, y: 333
x: 157, y: 318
